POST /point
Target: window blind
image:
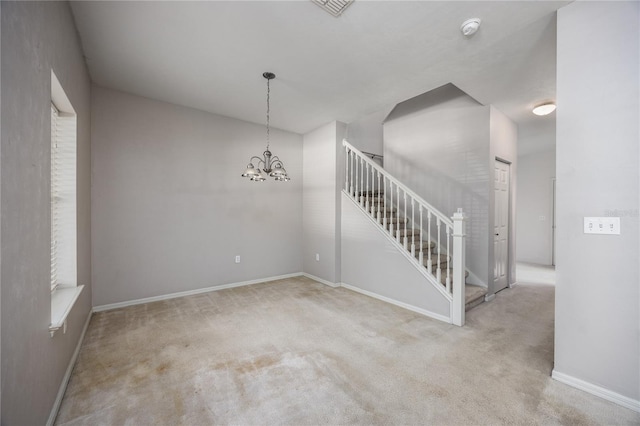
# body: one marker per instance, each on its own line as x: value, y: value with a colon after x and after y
x: 63, y: 199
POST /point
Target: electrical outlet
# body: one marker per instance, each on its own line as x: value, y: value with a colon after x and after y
x: 317, y: 257
x: 237, y: 259
x: 542, y: 218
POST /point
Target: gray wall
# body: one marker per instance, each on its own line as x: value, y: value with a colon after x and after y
x: 597, y: 321
x: 535, y: 199
x: 503, y: 141
x: 170, y: 209
x: 0, y: 210
x: 438, y: 145
x: 371, y: 262
x: 36, y: 37
x: 321, y: 201
x: 366, y: 132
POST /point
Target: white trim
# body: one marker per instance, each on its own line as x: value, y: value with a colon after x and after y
x: 67, y: 375
x: 412, y: 308
x: 320, y: 280
x: 117, y: 305
x: 489, y: 297
x: 62, y: 300
x: 596, y: 390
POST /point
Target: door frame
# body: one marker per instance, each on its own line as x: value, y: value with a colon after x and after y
x: 553, y: 221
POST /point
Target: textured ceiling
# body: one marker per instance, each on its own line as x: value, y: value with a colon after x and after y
x: 211, y: 55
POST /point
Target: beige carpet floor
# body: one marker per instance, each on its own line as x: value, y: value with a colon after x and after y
x: 297, y: 352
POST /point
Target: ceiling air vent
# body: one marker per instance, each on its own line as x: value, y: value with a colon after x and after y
x: 334, y: 7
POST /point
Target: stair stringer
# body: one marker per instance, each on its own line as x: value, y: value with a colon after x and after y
x: 375, y: 264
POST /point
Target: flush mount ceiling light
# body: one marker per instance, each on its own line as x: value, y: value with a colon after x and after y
x: 544, y: 109
x: 270, y: 164
x: 470, y: 26
x: 334, y: 7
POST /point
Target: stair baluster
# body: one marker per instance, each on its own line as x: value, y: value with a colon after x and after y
x: 353, y: 177
x: 384, y: 210
x: 429, y: 239
x: 438, y: 269
x: 357, y: 193
x: 448, y: 279
x: 406, y: 238
x: 347, y: 154
x: 391, y: 208
x: 398, y: 213
x: 413, y: 236
x: 373, y: 192
x: 421, y: 257
x: 361, y: 181
x: 379, y: 198
x: 366, y: 191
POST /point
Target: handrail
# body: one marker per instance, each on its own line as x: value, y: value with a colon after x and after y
x: 434, y: 243
x: 372, y: 155
x: 382, y: 171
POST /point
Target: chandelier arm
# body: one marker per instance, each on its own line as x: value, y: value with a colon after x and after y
x: 275, y: 160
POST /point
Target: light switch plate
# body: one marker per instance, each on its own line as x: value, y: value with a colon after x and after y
x: 602, y: 225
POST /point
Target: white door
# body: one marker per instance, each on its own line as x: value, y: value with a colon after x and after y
x: 501, y: 226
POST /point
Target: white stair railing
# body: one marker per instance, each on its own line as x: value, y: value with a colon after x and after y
x: 433, y: 242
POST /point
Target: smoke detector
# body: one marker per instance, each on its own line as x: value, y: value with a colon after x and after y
x: 470, y: 26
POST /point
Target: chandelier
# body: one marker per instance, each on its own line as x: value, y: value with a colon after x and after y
x: 269, y: 163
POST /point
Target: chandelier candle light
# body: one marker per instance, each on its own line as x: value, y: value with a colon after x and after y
x: 269, y: 163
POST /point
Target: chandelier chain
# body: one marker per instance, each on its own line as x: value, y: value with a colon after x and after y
x: 268, y: 110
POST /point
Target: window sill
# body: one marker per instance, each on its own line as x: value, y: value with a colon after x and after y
x: 62, y: 300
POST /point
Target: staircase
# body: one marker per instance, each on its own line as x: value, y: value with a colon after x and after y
x: 400, y: 226
x: 433, y: 242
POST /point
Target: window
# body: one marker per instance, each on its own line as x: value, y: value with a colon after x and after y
x: 64, y: 270
x: 63, y: 199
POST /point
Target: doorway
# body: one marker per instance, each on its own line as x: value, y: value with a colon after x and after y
x: 502, y: 173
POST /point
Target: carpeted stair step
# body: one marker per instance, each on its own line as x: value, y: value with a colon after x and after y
x: 376, y: 193
x: 415, y: 239
x: 443, y: 275
x: 473, y: 295
x: 393, y: 219
x: 389, y: 214
x: 382, y: 202
x: 435, y: 260
x: 426, y: 246
x: 406, y: 233
x: 375, y: 202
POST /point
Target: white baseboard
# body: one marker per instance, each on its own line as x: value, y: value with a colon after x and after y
x: 67, y: 374
x: 110, y: 306
x: 412, y: 308
x: 596, y: 390
x: 320, y: 280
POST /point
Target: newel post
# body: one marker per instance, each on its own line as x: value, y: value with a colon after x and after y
x: 457, y: 311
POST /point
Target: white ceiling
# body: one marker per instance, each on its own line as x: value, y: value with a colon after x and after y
x: 211, y: 55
